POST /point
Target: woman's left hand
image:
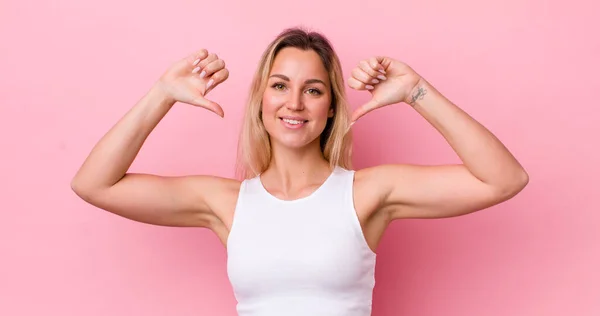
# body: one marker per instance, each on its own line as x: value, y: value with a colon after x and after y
x: 389, y: 81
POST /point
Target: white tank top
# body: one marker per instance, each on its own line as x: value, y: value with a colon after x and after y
x: 302, y: 257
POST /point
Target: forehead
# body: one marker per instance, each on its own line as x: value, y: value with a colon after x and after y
x: 299, y: 64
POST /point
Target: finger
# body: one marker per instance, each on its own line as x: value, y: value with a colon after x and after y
x: 358, y: 85
x: 363, y: 77
x: 364, y: 109
x: 373, y: 68
x: 217, y: 78
x: 213, y: 67
x: 377, y: 63
x: 366, y: 67
x: 194, y: 58
x: 202, y: 64
x: 209, y: 105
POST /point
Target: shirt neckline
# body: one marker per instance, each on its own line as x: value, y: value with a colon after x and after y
x: 315, y: 192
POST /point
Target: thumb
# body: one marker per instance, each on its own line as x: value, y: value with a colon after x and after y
x: 364, y: 109
x: 209, y: 105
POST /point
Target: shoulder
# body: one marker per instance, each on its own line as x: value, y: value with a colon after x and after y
x: 383, y: 174
x: 203, y: 184
x: 217, y: 194
x: 215, y: 188
x: 376, y: 176
x: 367, y: 178
x: 374, y: 185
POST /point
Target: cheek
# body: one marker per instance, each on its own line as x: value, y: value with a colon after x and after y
x: 270, y: 102
x: 323, y: 108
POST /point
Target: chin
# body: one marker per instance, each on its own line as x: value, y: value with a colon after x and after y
x: 296, y: 139
x: 292, y: 141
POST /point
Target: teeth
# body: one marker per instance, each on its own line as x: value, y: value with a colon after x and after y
x: 293, y: 121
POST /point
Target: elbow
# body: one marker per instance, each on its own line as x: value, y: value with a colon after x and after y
x: 75, y: 185
x: 79, y: 189
x: 83, y: 190
x: 524, y: 179
x: 88, y: 188
x: 521, y: 180
x: 514, y: 186
x: 78, y: 184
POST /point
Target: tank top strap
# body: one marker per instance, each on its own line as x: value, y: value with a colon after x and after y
x: 341, y: 185
x: 345, y: 186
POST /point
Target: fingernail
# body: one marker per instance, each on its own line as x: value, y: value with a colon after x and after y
x: 382, y: 77
x: 375, y: 81
x: 202, y: 74
x: 196, y: 70
x: 369, y: 87
x: 210, y: 82
x: 381, y: 71
x: 196, y: 62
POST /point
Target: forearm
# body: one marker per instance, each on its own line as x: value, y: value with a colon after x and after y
x: 112, y: 156
x: 480, y: 151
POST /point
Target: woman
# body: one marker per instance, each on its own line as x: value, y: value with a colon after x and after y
x: 301, y: 228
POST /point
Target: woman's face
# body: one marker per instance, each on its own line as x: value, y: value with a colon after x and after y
x: 297, y: 101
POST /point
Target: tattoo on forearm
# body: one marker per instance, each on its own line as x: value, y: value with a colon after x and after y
x: 419, y: 94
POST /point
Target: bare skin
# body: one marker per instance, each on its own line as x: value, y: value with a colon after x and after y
x: 298, y: 86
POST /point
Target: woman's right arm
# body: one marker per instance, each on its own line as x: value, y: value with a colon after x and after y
x: 103, y: 180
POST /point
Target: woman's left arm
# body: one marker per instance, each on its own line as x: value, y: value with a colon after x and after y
x: 489, y: 175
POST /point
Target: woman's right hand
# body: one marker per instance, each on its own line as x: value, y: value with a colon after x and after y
x: 190, y: 79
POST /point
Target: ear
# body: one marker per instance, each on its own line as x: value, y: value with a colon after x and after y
x: 331, y: 112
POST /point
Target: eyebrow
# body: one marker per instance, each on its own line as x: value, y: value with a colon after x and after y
x: 306, y: 82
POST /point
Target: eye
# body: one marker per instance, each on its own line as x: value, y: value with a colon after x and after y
x: 278, y: 86
x: 314, y: 91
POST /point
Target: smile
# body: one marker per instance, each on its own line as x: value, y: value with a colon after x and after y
x: 293, y: 122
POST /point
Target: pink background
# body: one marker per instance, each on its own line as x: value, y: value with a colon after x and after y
x: 527, y: 70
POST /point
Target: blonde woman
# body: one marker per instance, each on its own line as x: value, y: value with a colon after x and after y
x: 301, y: 227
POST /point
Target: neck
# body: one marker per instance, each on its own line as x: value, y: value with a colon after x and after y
x: 291, y: 168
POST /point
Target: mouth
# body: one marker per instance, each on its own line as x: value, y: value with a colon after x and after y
x: 293, y: 122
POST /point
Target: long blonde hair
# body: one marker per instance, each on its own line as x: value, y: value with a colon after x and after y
x: 254, y: 147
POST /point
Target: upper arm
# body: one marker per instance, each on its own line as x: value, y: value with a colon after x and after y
x: 160, y: 200
x: 414, y: 191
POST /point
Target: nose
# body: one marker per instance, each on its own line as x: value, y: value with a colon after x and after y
x: 295, y: 102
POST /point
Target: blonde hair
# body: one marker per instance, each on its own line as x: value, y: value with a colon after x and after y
x: 254, y: 147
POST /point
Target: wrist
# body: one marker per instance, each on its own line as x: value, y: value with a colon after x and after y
x: 418, y: 92
x: 158, y: 93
